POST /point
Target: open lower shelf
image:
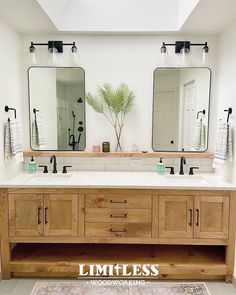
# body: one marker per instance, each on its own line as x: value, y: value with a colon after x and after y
x: 62, y: 260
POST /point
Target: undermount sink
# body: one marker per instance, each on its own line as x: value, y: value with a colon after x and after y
x: 186, y: 179
x: 50, y: 177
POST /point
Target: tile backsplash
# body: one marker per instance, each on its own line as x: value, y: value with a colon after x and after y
x: 120, y: 163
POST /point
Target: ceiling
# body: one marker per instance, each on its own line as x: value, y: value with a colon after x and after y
x: 118, y: 16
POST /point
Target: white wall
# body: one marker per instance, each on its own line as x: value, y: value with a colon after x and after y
x: 226, y: 90
x: 119, y: 58
x: 10, y: 77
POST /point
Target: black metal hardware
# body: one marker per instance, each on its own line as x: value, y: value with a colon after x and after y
x: 79, y: 100
x: 7, y: 109
x: 172, y: 169
x: 182, y: 162
x: 118, y: 230
x: 201, y: 112
x: 183, y: 44
x: 72, y: 141
x: 172, y: 141
x: 230, y: 110
x: 39, y: 213
x: 190, y: 217
x: 64, y: 170
x: 197, y: 223
x: 35, y: 111
x: 45, y: 215
x: 191, y: 170
x: 118, y: 216
x: 45, y: 168
x: 53, y: 44
x: 54, y: 160
x: 118, y: 202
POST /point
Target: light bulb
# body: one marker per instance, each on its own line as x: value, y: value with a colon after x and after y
x: 52, y: 56
x: 164, y: 54
x: 205, y: 52
x: 32, y: 55
x: 184, y: 55
x: 74, y: 55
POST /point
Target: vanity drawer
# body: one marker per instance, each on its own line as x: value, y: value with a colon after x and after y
x: 119, y: 201
x: 118, y: 229
x: 117, y: 215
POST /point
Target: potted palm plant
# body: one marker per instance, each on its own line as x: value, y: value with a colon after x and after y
x: 114, y: 104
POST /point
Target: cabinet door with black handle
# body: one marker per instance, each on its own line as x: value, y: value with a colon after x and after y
x: 61, y: 215
x: 175, y: 216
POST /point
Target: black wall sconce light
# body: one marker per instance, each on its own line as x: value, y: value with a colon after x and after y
x: 183, y: 47
x: 54, y: 47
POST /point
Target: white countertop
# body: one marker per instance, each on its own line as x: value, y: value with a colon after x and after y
x: 113, y: 179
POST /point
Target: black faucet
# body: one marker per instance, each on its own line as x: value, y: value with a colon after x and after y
x: 182, y: 162
x: 54, y: 160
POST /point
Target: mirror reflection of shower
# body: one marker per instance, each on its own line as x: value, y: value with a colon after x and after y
x: 74, y: 141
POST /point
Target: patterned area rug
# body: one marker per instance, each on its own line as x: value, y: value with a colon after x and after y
x: 148, y: 288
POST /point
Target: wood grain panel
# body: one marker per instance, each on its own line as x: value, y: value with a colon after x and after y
x: 25, y: 215
x: 61, y: 215
x: 124, y: 201
x: 118, y: 230
x: 212, y: 217
x: 175, y: 217
x: 117, y: 215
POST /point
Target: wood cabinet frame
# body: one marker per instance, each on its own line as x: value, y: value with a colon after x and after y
x: 226, y: 241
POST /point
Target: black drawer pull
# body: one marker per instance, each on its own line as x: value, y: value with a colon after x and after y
x: 197, y: 223
x: 118, y: 216
x: 118, y: 202
x: 118, y: 230
x: 46, y: 219
x: 190, y: 217
x: 39, y: 211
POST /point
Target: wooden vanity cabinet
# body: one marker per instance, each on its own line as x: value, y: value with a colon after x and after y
x: 193, y: 216
x: 175, y: 216
x: 33, y: 215
x: 211, y: 217
x: 25, y: 215
x: 190, y: 234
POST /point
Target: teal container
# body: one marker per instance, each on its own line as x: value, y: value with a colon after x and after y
x: 160, y: 167
x: 32, y: 165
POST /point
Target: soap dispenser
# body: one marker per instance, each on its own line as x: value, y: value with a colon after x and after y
x: 32, y: 165
x: 160, y: 167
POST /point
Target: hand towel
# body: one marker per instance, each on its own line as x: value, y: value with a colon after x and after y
x: 40, y: 133
x: 38, y: 140
x: 34, y: 136
x: 223, y: 148
x: 199, y: 137
x: 13, y: 141
x: 7, y: 141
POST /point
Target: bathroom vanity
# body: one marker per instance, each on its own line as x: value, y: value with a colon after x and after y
x: 185, y: 225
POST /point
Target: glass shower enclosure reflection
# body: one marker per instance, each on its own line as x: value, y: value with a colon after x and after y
x: 57, y: 108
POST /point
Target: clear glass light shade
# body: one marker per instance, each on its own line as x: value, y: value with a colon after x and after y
x: 52, y: 56
x: 184, y: 56
x: 32, y: 55
x: 74, y: 58
x: 33, y: 58
x: 164, y: 57
x: 204, y: 57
